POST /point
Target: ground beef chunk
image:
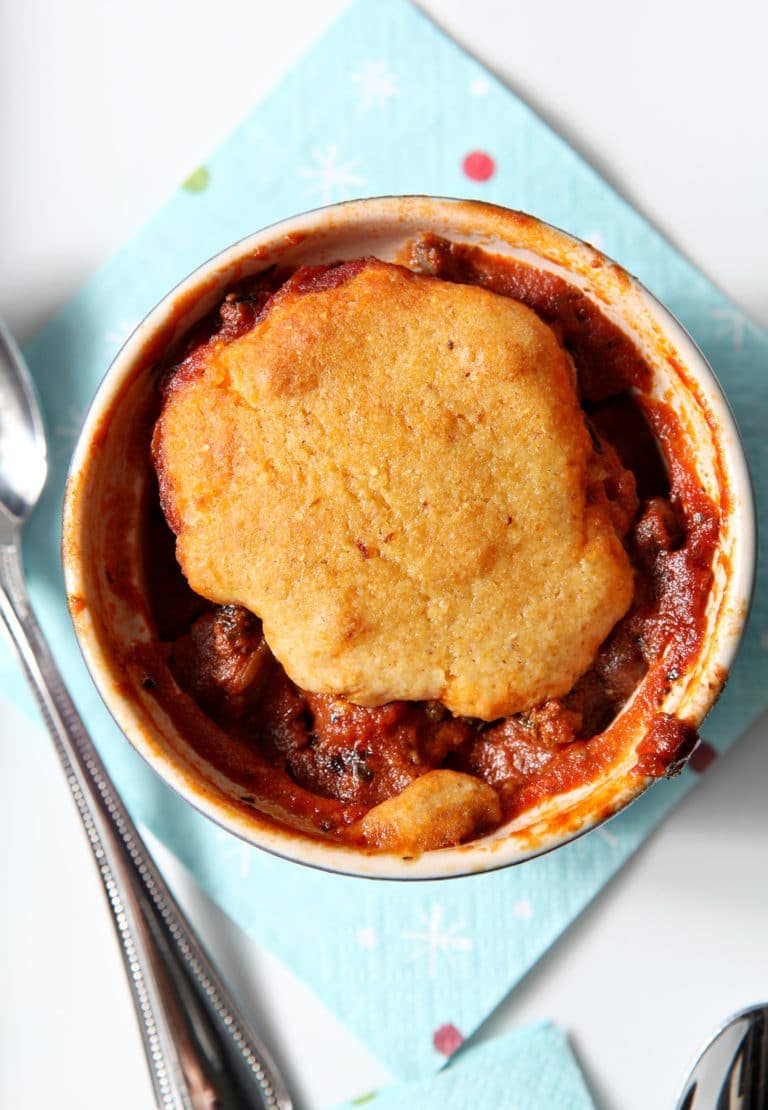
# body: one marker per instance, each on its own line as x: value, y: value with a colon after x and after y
x: 239, y: 312
x: 509, y: 753
x: 373, y: 753
x: 223, y: 661
x: 661, y: 527
x: 611, y: 480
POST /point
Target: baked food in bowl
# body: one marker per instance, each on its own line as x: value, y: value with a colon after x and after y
x: 466, y: 525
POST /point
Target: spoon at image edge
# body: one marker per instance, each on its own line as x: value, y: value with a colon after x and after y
x: 200, y: 1051
x: 731, y: 1072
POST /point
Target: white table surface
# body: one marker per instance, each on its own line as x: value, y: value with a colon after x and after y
x: 105, y: 107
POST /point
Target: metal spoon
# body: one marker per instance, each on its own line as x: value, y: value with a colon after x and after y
x: 731, y: 1072
x: 200, y: 1051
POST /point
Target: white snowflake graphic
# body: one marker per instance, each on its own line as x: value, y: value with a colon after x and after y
x: 65, y: 433
x: 329, y: 177
x: 366, y: 938
x: 596, y: 239
x: 375, y: 84
x: 245, y: 860
x: 479, y: 86
x: 522, y: 909
x: 608, y: 836
x: 122, y: 328
x: 437, y: 938
x: 732, y: 323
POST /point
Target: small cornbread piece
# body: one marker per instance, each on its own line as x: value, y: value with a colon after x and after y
x: 437, y: 810
x: 393, y: 472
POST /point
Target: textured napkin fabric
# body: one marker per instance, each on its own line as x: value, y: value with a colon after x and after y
x: 532, y: 1069
x: 411, y: 968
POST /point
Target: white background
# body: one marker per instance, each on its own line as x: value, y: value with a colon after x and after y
x: 105, y: 106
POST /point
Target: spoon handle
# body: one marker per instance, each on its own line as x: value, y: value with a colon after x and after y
x: 200, y: 1051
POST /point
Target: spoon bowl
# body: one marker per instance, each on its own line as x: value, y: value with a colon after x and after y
x: 23, y: 450
x: 731, y: 1072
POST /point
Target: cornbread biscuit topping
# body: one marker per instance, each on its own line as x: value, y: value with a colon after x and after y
x: 394, y: 473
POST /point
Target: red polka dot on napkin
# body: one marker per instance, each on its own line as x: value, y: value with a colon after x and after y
x: 478, y: 165
x: 447, y: 1040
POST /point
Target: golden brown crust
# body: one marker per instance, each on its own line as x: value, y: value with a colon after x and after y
x: 437, y: 810
x: 393, y: 474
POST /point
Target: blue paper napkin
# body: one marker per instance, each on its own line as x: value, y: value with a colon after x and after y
x: 363, y: 115
x: 530, y: 1069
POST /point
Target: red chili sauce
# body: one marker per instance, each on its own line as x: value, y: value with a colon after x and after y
x: 328, y: 761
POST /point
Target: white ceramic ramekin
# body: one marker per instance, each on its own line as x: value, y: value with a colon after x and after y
x: 105, y: 491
